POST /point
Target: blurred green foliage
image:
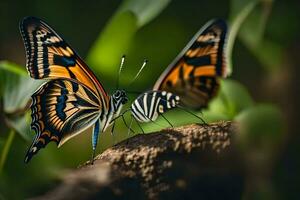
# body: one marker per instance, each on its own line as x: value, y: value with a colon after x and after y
x: 16, y: 91
x: 261, y: 124
x: 140, y: 29
x: 115, y: 39
x: 232, y: 99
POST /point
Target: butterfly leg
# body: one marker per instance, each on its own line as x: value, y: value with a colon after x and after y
x: 167, y: 120
x: 182, y: 108
x: 95, y: 139
x: 138, y: 123
x: 129, y: 129
x: 112, y: 133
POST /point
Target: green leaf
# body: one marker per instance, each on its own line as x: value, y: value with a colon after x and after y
x: 16, y: 87
x: 16, y: 90
x: 269, y: 54
x: 261, y: 124
x: 8, y: 68
x: 21, y: 124
x: 11, y: 67
x: 252, y: 35
x: 233, y: 97
x: 236, y: 6
x: 5, y: 150
x: 115, y: 40
x: 240, y: 10
x: 250, y: 16
x: 249, y: 19
x: 143, y: 9
x: 214, y: 116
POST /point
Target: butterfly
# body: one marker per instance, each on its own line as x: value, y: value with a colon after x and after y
x: 72, y: 99
x: 191, y: 80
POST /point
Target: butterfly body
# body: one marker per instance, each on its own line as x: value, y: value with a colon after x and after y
x: 73, y: 99
x: 117, y: 100
x: 149, y: 105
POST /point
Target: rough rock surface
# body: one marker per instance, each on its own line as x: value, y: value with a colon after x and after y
x: 189, y: 162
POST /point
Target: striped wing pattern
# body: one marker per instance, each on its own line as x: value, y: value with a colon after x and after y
x: 194, y: 75
x: 61, y: 109
x: 50, y: 57
x: 149, y: 105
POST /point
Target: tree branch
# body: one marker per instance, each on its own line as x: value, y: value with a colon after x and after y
x: 189, y: 162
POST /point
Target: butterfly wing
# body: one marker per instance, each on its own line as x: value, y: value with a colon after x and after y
x: 194, y: 74
x: 61, y: 109
x: 50, y: 57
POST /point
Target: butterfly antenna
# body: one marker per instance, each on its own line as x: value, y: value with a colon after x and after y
x: 139, y: 72
x: 120, y: 70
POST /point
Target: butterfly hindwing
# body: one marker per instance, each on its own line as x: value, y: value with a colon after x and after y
x: 61, y: 109
x: 50, y: 57
x: 194, y: 75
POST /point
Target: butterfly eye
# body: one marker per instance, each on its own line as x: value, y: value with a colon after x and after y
x: 117, y: 94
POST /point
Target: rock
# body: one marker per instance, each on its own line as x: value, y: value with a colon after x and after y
x: 189, y: 162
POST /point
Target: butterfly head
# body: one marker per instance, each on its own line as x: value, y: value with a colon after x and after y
x: 120, y: 98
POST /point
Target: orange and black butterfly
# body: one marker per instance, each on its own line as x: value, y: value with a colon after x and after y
x: 192, y: 79
x: 73, y: 99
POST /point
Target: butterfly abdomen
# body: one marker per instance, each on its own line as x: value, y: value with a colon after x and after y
x: 149, y: 105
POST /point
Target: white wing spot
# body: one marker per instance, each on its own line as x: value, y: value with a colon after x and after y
x: 34, y: 149
x: 169, y: 95
x: 173, y: 103
x: 161, y: 108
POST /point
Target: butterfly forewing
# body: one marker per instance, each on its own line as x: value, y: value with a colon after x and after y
x: 50, y: 57
x: 194, y: 74
x: 61, y: 109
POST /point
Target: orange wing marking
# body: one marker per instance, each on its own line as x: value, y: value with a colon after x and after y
x: 208, y: 70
